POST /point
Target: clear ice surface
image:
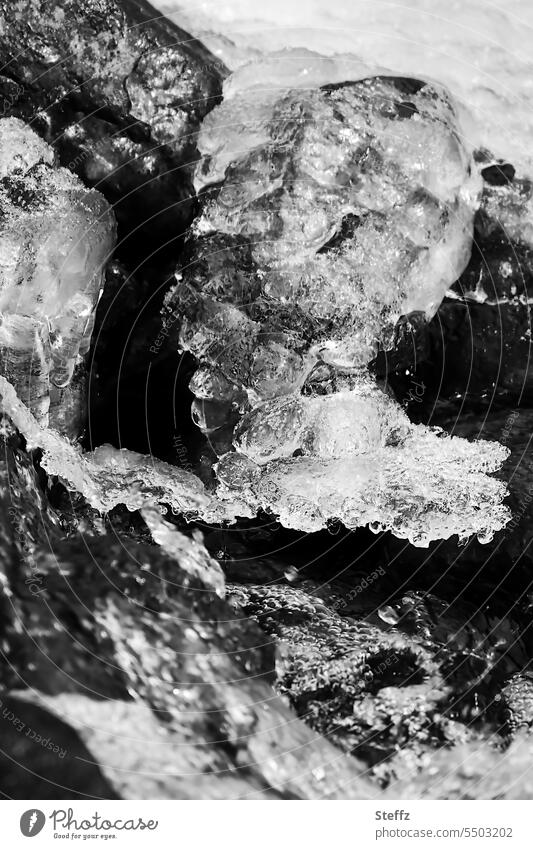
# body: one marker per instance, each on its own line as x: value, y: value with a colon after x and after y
x: 55, y: 238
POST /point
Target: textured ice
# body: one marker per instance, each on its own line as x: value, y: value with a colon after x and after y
x: 55, y: 237
x: 330, y: 210
x: 342, y: 207
x: 506, y: 213
x: 354, y: 457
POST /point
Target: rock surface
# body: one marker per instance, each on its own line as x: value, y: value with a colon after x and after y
x: 481, y: 53
x: 130, y: 645
x: 335, y: 217
x: 372, y: 669
x: 119, y: 92
x: 390, y: 682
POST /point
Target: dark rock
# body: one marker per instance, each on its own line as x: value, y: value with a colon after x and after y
x: 387, y: 672
x: 475, y: 354
x: 43, y: 757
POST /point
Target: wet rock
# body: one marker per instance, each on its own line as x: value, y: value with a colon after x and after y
x: 56, y: 237
x: 391, y: 681
x: 317, y: 232
x: 139, y: 390
x: 119, y: 91
x: 129, y: 642
x: 144, y: 630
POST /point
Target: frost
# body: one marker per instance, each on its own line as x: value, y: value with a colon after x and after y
x: 55, y: 237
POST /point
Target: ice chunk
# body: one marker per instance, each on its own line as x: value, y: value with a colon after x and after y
x: 119, y: 92
x: 329, y: 212
x: 55, y: 238
x: 189, y: 553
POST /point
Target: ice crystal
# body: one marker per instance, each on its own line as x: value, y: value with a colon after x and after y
x: 329, y: 212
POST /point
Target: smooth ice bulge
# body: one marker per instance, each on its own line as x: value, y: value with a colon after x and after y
x: 55, y: 238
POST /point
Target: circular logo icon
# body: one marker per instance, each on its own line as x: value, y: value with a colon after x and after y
x: 32, y: 822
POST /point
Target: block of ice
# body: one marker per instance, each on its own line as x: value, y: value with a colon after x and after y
x: 55, y: 238
x: 329, y: 212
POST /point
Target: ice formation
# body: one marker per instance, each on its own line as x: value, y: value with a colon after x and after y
x: 342, y: 207
x: 330, y: 210
x: 55, y: 238
x: 119, y: 92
